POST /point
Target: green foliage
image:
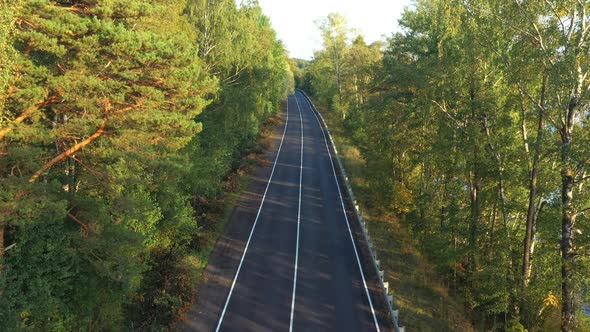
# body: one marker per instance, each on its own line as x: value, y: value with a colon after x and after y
x: 452, y: 119
x: 297, y: 68
x: 7, y: 54
x: 41, y: 274
x: 115, y: 119
x: 165, y: 289
x: 249, y: 56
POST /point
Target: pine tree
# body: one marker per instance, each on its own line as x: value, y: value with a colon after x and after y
x: 104, y: 103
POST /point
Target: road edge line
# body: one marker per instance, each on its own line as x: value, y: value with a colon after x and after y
x: 312, y: 107
x: 298, y: 223
x: 255, y: 222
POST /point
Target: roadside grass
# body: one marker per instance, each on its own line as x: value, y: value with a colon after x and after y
x: 220, y: 209
x: 422, y: 299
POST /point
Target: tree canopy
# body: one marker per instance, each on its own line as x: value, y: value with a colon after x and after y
x: 473, y: 123
x: 116, y: 117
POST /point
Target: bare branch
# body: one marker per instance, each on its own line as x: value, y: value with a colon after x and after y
x: 78, y: 221
x: 235, y: 77
x: 572, y: 24
x: 582, y: 179
x: 584, y: 26
x: 445, y: 111
x: 88, y: 168
x: 535, y: 102
x: 558, y: 18
x: 539, y: 37
x: 582, y: 211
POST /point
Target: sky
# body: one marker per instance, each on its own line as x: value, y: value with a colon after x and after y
x: 294, y: 21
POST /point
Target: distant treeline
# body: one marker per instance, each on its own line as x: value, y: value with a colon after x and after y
x: 475, y: 126
x: 118, y: 120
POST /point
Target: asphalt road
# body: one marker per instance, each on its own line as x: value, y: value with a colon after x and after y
x: 287, y: 260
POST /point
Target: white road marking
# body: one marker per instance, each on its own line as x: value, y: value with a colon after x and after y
x: 347, y: 222
x: 255, y: 222
x: 298, y: 222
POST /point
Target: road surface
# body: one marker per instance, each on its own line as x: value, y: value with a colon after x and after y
x: 290, y: 260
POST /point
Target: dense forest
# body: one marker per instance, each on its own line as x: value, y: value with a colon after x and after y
x: 474, y: 126
x: 119, y: 121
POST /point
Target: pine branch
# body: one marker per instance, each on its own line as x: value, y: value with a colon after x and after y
x: 78, y: 221
x: 88, y: 168
x: 27, y: 113
x: 99, y: 132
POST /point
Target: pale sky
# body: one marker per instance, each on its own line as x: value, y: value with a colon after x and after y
x: 294, y: 20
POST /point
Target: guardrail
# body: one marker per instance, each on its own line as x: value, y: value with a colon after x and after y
x: 384, y: 284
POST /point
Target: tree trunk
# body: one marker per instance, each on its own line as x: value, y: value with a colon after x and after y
x: 567, y: 252
x: 473, y: 223
x: 567, y: 226
x: 491, y: 246
x: 531, y: 217
x: 1, y: 252
x: 474, y: 189
x: 339, y: 82
x: 530, y: 226
x: 1, y: 243
x: 568, y: 166
x: 356, y: 92
x: 568, y: 216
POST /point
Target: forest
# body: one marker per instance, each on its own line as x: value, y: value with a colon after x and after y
x: 120, y: 122
x: 473, y: 123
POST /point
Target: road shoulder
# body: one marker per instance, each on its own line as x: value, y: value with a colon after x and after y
x: 215, y: 281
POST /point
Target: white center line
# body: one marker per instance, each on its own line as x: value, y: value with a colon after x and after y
x: 254, y: 225
x: 298, y: 222
x: 346, y: 217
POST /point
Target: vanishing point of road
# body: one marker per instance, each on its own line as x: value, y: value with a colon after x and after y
x: 292, y: 257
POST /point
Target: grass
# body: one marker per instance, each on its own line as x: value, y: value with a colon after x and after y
x: 424, y: 302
